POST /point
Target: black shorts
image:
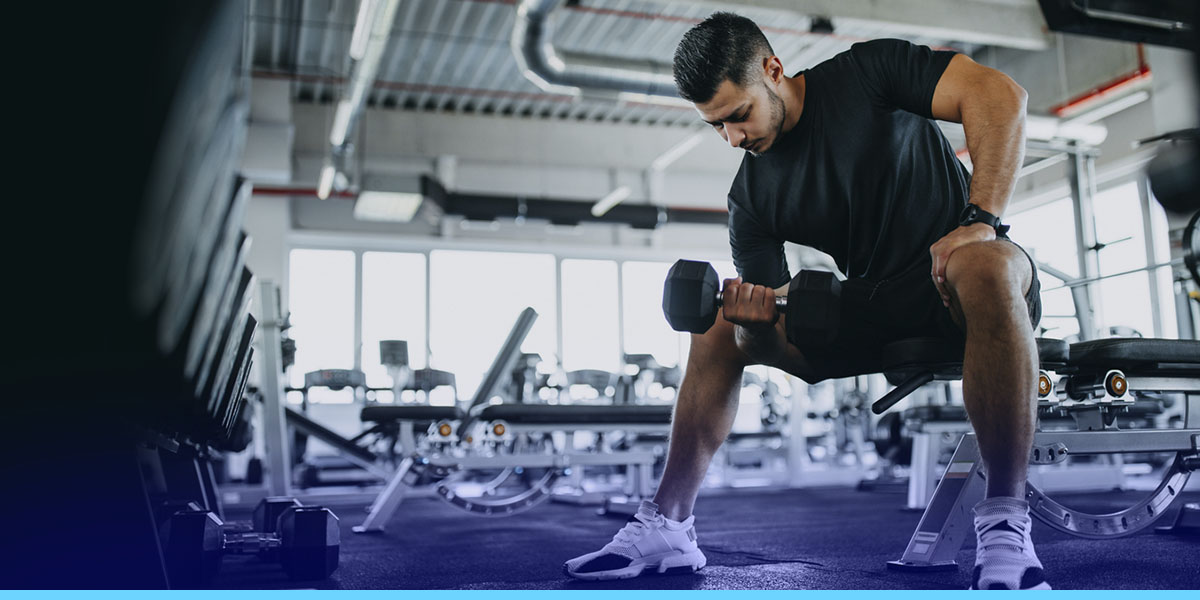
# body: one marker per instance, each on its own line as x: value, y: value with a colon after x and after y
x: 874, y: 314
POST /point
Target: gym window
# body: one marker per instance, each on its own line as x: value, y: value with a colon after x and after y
x: 1126, y: 299
x: 321, y: 301
x: 1126, y: 303
x: 646, y: 330
x: 590, y: 330
x: 1047, y: 232
x: 393, y: 308
x: 475, y: 298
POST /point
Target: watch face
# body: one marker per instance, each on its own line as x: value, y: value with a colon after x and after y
x: 968, y: 214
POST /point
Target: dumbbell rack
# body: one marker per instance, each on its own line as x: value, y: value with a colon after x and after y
x: 137, y: 371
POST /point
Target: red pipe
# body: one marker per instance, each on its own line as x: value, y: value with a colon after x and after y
x: 1138, y: 75
x: 263, y: 190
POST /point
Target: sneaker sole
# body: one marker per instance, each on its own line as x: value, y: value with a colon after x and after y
x: 1041, y: 586
x: 669, y: 564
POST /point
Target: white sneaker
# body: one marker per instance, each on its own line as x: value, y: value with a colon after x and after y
x: 649, y: 543
x: 1004, y: 556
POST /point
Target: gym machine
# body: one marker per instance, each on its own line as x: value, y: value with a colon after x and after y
x: 500, y: 459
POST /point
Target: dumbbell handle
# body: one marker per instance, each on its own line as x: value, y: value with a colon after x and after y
x: 780, y: 301
x: 250, y: 543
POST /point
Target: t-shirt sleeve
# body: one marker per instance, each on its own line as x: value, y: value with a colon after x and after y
x: 757, y: 255
x: 900, y: 74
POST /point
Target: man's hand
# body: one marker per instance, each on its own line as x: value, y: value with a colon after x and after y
x: 748, y: 305
x: 943, y: 248
x: 752, y: 309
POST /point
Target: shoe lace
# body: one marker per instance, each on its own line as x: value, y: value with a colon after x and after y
x: 991, y: 535
x: 632, y: 531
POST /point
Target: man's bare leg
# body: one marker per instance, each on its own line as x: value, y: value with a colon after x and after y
x: 704, y: 413
x: 988, y: 281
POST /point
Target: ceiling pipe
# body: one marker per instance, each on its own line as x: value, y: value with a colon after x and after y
x: 378, y: 15
x: 558, y: 211
x: 551, y: 71
x: 372, y: 27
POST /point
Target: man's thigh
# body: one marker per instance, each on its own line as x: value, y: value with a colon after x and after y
x: 874, y: 314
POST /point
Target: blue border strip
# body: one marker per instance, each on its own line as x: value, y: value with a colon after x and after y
x: 596, y: 594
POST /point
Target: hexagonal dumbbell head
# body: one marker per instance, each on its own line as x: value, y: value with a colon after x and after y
x: 192, y: 548
x: 266, y: 514
x: 310, y: 541
x: 814, y: 309
x: 690, y: 296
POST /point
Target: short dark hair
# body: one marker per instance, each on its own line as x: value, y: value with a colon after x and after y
x: 723, y: 46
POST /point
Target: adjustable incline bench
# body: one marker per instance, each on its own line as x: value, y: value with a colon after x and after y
x: 478, y: 437
x: 1098, y: 380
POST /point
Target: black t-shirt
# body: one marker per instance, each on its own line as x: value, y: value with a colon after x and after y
x: 865, y: 175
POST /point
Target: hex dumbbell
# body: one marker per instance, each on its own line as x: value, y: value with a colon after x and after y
x: 692, y: 298
x: 307, y: 543
x: 264, y: 520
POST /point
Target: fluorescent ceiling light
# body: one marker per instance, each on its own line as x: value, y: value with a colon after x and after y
x: 1050, y: 128
x: 341, y: 122
x: 612, y: 199
x: 1112, y: 108
x: 362, y: 29
x: 654, y: 99
x: 325, y: 184
x: 396, y: 207
x: 677, y: 151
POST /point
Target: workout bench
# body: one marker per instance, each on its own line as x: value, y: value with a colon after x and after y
x: 474, y: 438
x: 1099, y: 379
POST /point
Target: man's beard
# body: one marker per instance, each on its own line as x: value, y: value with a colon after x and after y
x: 778, y: 116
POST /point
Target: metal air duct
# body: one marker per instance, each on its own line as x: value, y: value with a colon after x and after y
x: 551, y: 71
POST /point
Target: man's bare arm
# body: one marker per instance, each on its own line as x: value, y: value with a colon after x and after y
x: 991, y: 108
x: 768, y: 345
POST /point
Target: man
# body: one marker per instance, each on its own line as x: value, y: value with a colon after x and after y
x: 844, y: 157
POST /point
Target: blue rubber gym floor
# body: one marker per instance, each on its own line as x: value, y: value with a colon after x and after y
x: 823, y: 538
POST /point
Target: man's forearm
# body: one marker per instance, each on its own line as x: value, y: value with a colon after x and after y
x: 994, y: 123
x: 763, y: 346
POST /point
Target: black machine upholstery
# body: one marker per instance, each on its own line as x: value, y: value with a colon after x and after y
x: 594, y: 378
x: 909, y: 364
x: 425, y: 380
x: 944, y: 357
x: 904, y: 358
x: 560, y: 414
x: 382, y: 413
x: 1137, y: 355
x: 1053, y: 353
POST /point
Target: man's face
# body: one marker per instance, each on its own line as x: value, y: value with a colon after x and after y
x: 749, y: 118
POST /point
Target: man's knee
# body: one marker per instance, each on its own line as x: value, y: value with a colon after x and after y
x: 988, y: 272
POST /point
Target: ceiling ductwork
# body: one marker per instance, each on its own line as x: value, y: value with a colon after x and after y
x: 564, y: 73
x: 490, y: 207
x: 402, y: 199
x: 372, y: 28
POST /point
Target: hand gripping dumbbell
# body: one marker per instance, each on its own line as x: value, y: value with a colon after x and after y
x: 306, y: 541
x: 692, y: 297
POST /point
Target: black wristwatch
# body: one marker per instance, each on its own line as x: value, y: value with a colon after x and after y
x: 973, y: 214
